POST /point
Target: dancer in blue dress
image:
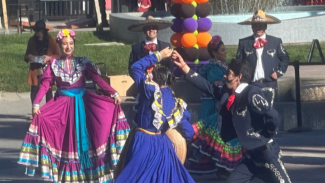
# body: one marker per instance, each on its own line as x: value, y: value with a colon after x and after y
x: 150, y: 155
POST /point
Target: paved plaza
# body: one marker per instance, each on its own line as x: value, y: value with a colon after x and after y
x: 303, y: 153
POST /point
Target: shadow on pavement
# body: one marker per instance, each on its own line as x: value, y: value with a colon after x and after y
x: 4, y: 116
x: 13, y: 129
x: 304, y: 160
x: 11, y: 171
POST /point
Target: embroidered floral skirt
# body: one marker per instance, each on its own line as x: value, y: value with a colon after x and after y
x: 50, y: 144
x: 208, y: 151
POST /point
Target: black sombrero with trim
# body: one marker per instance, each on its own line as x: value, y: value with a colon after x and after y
x: 150, y: 20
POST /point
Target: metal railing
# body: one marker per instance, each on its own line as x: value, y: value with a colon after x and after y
x: 64, y: 9
x: 296, y: 64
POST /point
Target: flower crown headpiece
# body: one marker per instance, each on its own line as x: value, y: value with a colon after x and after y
x: 66, y: 33
x: 215, y: 41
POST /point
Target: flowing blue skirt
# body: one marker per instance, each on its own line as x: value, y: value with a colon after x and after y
x: 152, y: 159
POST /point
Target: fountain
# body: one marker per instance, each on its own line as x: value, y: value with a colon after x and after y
x: 243, y: 6
x: 300, y: 24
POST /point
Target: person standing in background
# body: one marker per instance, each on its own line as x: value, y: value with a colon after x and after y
x: 265, y: 53
x: 40, y: 49
x: 144, y: 5
x: 150, y: 28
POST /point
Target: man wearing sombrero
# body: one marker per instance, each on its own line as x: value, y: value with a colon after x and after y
x: 150, y: 28
x: 264, y: 53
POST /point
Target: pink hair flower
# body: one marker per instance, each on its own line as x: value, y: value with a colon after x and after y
x: 215, y: 41
x: 66, y: 33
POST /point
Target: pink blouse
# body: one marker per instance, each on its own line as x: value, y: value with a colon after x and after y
x: 66, y: 77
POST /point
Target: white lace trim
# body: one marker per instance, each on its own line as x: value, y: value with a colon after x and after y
x: 75, y: 76
x: 176, y: 116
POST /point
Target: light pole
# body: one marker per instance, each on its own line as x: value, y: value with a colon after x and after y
x: 5, y: 17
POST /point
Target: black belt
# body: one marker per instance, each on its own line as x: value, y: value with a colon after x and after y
x: 261, y: 81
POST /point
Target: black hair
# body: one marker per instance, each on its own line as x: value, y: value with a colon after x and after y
x: 146, y: 27
x: 241, y: 67
x: 162, y: 75
x: 45, y: 34
x: 211, y: 48
x: 265, y: 24
x: 60, y: 40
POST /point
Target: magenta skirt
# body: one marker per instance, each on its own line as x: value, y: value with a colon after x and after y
x: 50, y: 144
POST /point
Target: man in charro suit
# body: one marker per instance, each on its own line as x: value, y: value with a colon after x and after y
x: 253, y: 120
x: 264, y: 53
x: 150, y: 28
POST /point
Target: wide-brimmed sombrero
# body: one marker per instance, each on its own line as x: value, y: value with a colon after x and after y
x: 260, y: 17
x: 150, y: 20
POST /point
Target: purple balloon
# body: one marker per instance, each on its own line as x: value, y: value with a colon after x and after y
x: 177, y: 25
x: 204, y: 24
x: 189, y: 25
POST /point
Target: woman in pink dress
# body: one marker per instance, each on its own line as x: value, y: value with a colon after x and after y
x: 144, y: 5
x: 78, y: 135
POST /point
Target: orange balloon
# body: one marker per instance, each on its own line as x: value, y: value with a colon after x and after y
x: 177, y: 1
x: 203, y: 39
x: 201, y: 1
x: 188, y: 40
x: 175, y: 40
x: 187, y: 1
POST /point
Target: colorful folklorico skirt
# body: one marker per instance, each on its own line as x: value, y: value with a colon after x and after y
x: 51, y: 141
x: 208, y: 151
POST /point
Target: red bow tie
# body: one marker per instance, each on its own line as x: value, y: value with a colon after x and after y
x: 150, y: 47
x: 260, y: 43
x: 231, y: 100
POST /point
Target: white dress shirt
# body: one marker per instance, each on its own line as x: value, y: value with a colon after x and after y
x: 259, y: 70
x: 241, y: 87
x: 148, y: 42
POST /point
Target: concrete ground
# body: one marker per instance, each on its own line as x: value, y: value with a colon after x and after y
x: 304, y: 153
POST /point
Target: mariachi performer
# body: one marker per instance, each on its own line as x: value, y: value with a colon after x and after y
x: 264, y: 53
x: 78, y: 136
x: 255, y: 122
x: 150, y: 28
x: 213, y: 149
x: 149, y: 155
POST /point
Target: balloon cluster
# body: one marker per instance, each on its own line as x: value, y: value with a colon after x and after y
x: 191, y: 27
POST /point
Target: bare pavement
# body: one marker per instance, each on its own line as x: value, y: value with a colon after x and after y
x: 304, y: 153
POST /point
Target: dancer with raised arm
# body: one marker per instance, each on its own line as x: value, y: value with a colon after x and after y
x: 254, y: 119
x: 78, y: 136
x: 150, y: 155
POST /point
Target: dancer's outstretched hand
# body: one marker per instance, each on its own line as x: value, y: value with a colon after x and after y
x: 179, y: 61
x: 118, y: 100
x: 36, y: 111
x: 46, y: 60
x: 165, y: 53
